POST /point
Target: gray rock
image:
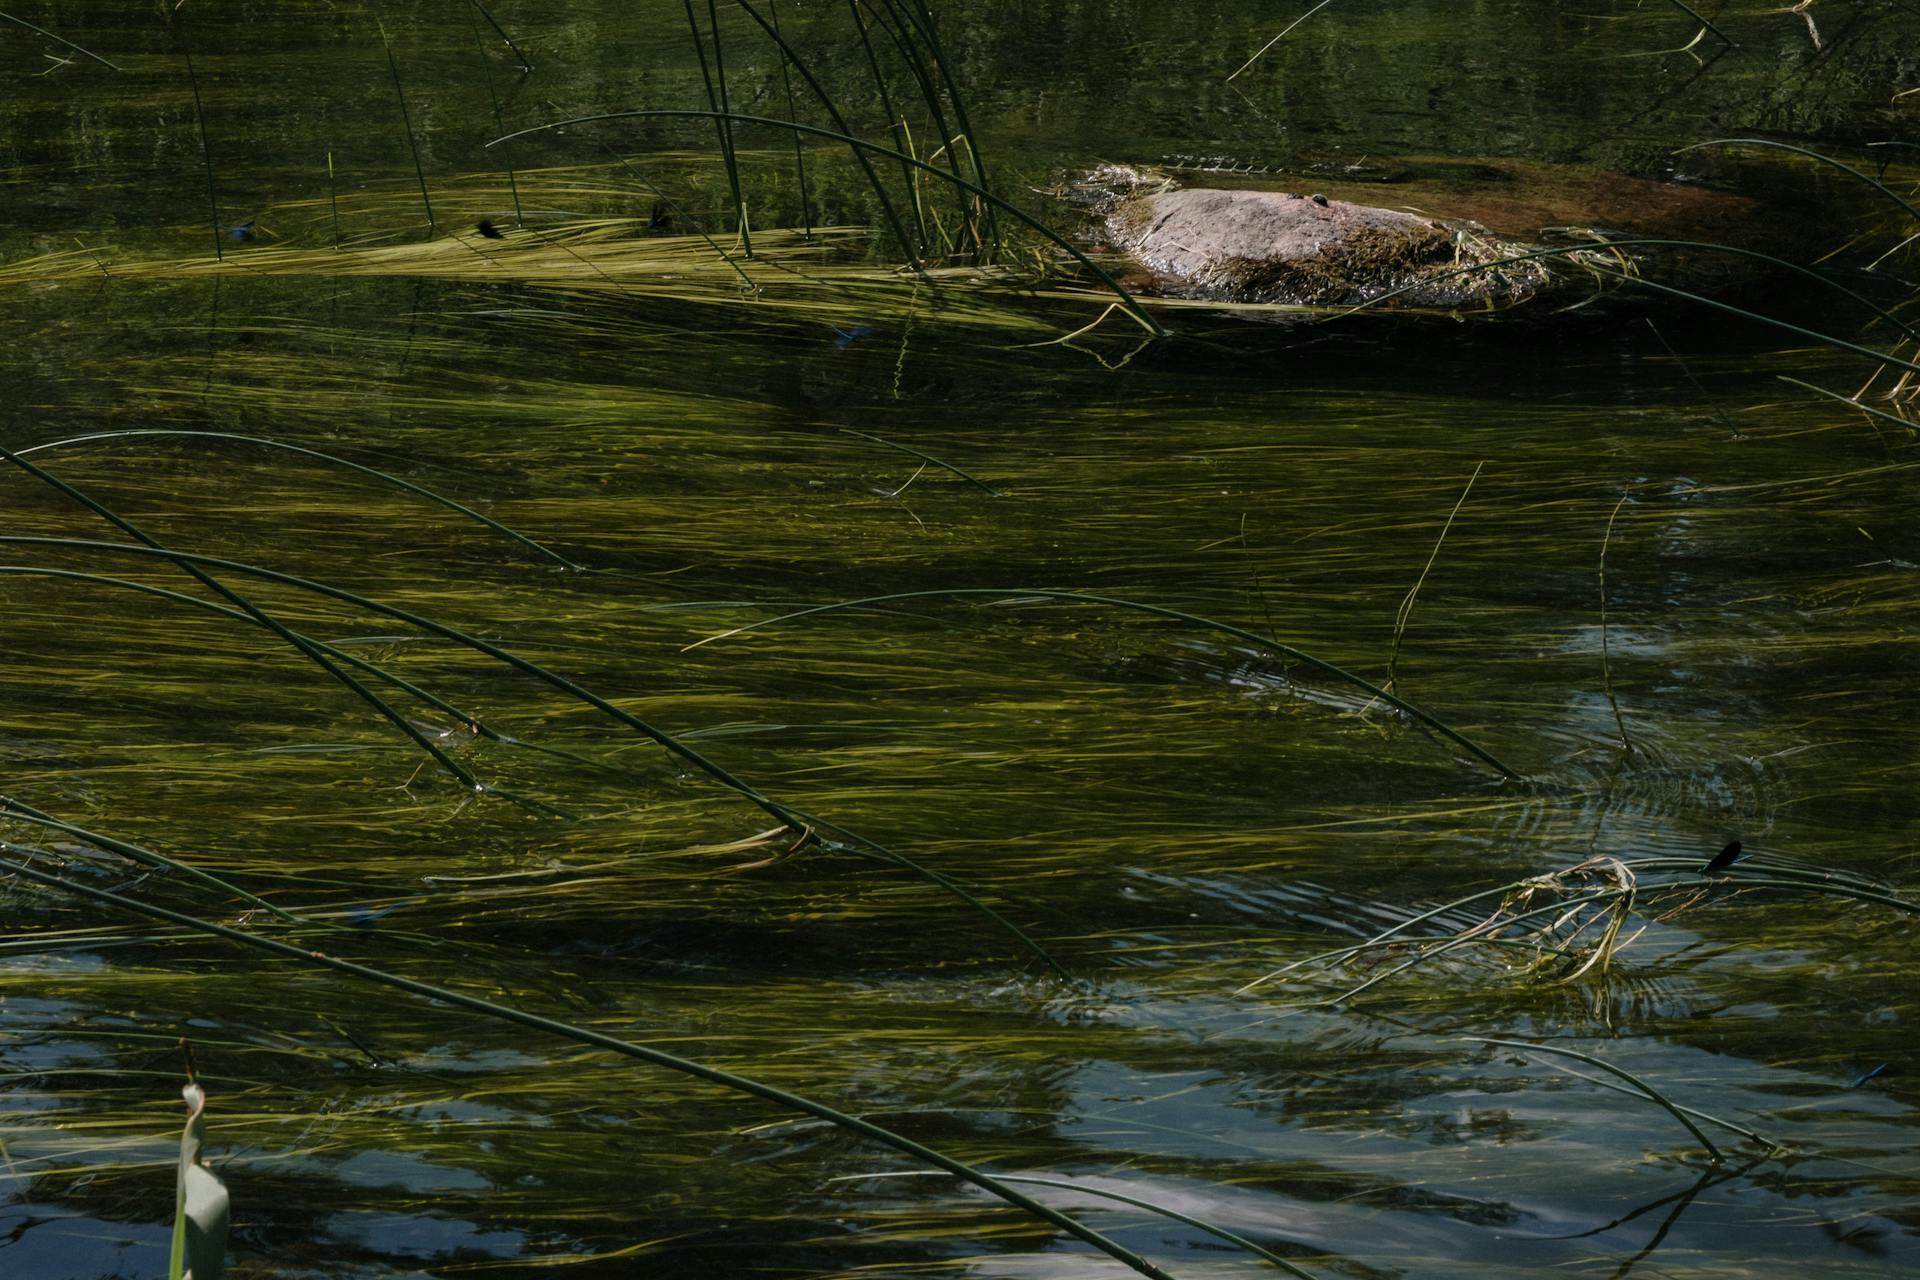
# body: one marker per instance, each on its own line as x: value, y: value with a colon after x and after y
x: 1274, y: 246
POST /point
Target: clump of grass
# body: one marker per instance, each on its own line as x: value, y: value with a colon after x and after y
x: 1626, y: 273
x: 808, y: 278
x: 1563, y: 925
x: 913, y: 34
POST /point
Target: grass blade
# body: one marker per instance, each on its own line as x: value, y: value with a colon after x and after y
x: 799, y: 147
x: 982, y: 485
x: 887, y: 110
x: 1849, y: 400
x: 493, y: 96
x: 206, y: 155
x: 839, y: 122
x: 900, y: 29
x: 1606, y: 652
x: 1087, y: 597
x: 525, y: 66
x: 267, y: 443
x: 193, y: 569
x: 930, y: 31
x: 406, y: 125
x: 1404, y: 614
x: 723, y: 127
x: 42, y: 31
x: 1645, y: 1089
x: 333, y: 199
x: 1875, y: 183
x: 439, y: 704
x: 1082, y: 1188
x: 726, y: 109
x: 1698, y: 17
x: 1261, y: 52
x: 16, y: 810
x: 1697, y: 1114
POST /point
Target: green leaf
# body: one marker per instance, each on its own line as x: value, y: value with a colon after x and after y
x: 202, y: 1210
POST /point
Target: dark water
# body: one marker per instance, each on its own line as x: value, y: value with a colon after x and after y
x: 1171, y: 812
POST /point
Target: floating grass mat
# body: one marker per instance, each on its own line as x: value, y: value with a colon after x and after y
x: 790, y: 272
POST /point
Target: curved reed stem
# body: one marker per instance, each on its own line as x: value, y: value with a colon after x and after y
x: 329, y: 458
x: 1875, y: 183
x: 1645, y: 1089
x: 15, y: 810
x: 191, y: 566
x: 1119, y: 1197
x: 1087, y: 597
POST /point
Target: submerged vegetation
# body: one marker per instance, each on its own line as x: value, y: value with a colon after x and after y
x: 669, y: 664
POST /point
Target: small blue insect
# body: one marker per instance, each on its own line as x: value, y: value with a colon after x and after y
x: 844, y: 337
x: 242, y: 232
x: 1861, y: 1079
x: 367, y: 919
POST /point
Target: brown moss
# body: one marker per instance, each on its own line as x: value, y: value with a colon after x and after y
x: 1366, y: 263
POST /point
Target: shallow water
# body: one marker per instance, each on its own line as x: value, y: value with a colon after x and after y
x: 1171, y: 812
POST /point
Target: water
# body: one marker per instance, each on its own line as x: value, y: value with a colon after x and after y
x: 1171, y: 812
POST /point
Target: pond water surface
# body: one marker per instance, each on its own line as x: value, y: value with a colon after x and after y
x: 1672, y: 593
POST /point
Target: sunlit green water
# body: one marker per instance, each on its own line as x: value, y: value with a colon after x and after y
x: 1170, y: 813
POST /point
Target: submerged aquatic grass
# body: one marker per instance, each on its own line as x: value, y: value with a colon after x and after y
x: 204, y: 1209
x: 1162, y: 798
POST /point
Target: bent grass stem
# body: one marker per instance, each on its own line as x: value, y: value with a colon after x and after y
x: 267, y: 443
x: 1645, y: 1089
x: 1085, y: 597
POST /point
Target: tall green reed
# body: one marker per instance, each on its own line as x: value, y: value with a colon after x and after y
x: 59, y: 40
x: 406, y: 127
